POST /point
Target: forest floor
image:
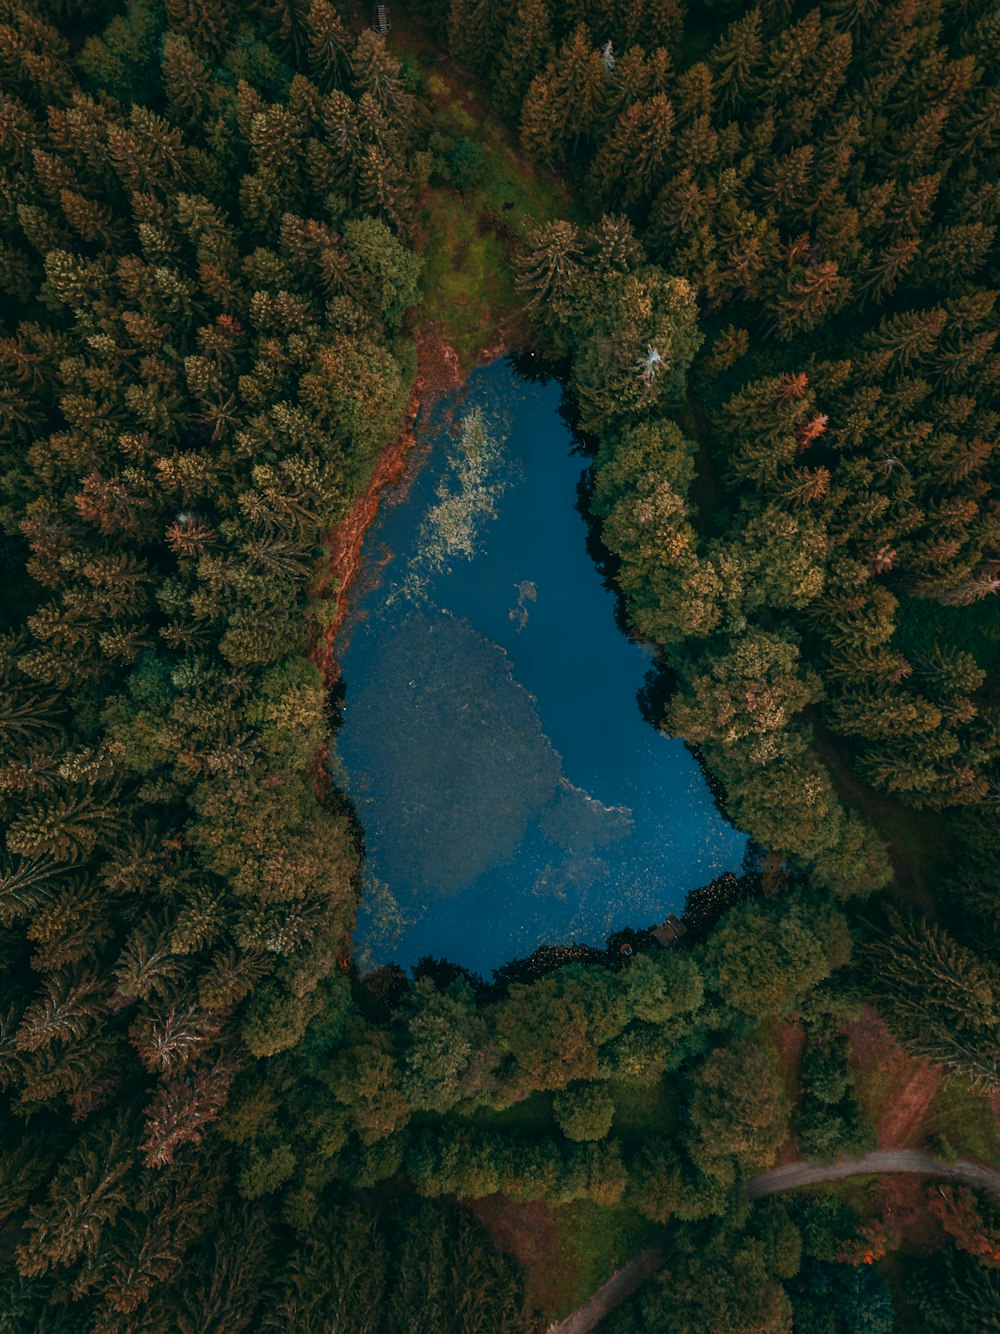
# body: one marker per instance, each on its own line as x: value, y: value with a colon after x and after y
x: 789, y: 1040
x: 468, y: 283
x: 911, y: 1103
x: 566, y: 1252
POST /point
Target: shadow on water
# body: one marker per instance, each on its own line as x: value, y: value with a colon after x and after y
x: 511, y: 792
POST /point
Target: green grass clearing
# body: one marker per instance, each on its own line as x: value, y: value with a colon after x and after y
x: 875, y: 1088
x: 642, y: 1110
x: 531, y: 1117
x: 963, y: 1123
x: 468, y: 280
x: 595, y: 1240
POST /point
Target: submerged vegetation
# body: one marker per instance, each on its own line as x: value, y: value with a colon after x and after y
x: 465, y: 499
x: 772, y: 306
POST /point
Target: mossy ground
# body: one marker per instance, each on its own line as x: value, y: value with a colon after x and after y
x: 961, y: 1122
x: 468, y: 283
x: 594, y: 1240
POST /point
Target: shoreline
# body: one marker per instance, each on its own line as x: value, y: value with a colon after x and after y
x: 439, y: 372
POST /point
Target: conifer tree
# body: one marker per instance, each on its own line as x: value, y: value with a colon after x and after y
x: 630, y: 163
x: 941, y: 997
x: 577, y: 79
x: 549, y: 264
x: 524, y: 51
x: 737, y: 61
x: 543, y: 127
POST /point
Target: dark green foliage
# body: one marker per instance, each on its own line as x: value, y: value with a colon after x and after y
x: 424, y: 1266
x: 765, y: 956
x: 829, y: 1122
x: 778, y: 330
x: 721, y: 1283
x: 466, y: 164
x: 847, y: 413
x: 941, y: 997
x: 952, y: 1293
x: 738, y: 1108
x: 585, y: 1112
x: 841, y: 1299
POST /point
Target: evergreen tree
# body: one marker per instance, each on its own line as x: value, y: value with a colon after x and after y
x: 940, y: 995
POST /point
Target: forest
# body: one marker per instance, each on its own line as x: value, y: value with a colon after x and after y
x: 756, y: 244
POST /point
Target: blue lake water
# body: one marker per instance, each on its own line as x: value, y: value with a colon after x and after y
x: 510, y: 791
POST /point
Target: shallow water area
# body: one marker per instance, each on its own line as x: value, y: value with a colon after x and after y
x: 510, y: 791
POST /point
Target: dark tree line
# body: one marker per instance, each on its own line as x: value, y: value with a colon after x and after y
x: 826, y: 184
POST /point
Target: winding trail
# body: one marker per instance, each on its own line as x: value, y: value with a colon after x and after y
x: 879, y: 1161
x: 627, y: 1280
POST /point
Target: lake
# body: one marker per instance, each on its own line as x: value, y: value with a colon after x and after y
x: 510, y: 792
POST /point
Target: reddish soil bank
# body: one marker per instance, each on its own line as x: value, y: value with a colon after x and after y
x: 910, y: 1104
x: 791, y: 1043
x: 909, y: 1083
x: 438, y: 373
x: 527, y: 1232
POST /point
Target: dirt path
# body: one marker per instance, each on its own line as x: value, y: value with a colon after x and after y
x: 620, y: 1286
x: 627, y: 1280
x: 909, y: 1105
x: 877, y: 1162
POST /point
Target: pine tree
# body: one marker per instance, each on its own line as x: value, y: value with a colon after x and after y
x: 375, y: 71
x: 186, y: 82
x: 288, y: 21
x: 86, y: 1195
x: 205, y: 23
x: 183, y: 1107
x: 657, y: 23
x: 577, y: 81
x: 942, y: 998
x: 65, y: 828
x: 474, y: 31
x: 737, y: 62
x: 543, y: 127
x: 631, y: 162
x: 329, y: 45
x: 611, y: 245
x: 524, y: 51
x: 811, y: 293
x: 549, y: 263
